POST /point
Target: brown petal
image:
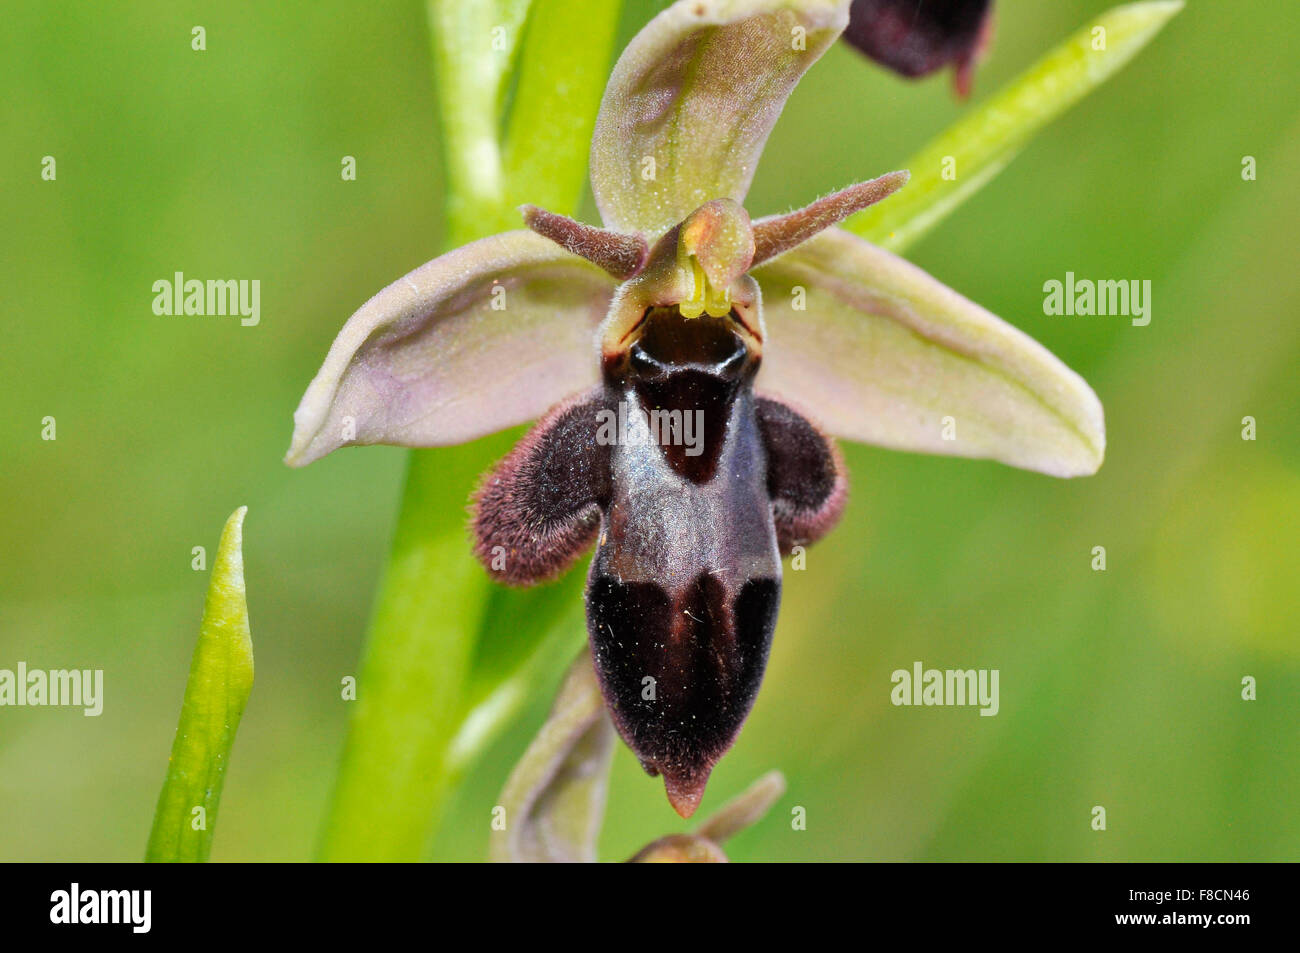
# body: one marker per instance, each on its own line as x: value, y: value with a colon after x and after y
x: 780, y: 233
x: 621, y: 255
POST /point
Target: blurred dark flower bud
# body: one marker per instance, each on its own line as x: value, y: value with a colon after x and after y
x: 917, y: 37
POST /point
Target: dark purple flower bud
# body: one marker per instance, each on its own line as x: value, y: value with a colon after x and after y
x: 917, y: 37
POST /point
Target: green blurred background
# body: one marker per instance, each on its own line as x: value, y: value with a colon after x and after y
x: 1119, y: 689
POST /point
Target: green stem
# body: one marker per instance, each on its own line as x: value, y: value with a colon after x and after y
x: 448, y: 657
x: 474, y: 43
x: 392, y: 780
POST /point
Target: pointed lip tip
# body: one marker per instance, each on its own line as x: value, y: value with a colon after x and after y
x: 685, y: 805
x: 686, y: 791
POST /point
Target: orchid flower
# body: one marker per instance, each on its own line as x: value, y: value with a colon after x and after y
x: 917, y: 37
x: 684, y: 307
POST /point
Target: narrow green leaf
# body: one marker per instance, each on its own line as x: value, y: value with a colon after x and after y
x: 979, y: 146
x: 474, y: 48
x: 221, y: 677
x: 549, y: 134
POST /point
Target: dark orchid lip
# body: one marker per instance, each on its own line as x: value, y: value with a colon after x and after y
x: 917, y: 37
